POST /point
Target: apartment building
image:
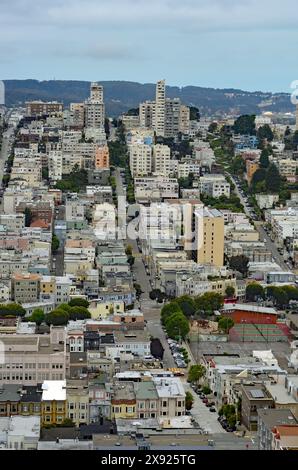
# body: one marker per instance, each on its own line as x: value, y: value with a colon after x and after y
x: 171, y: 396
x: 160, y: 102
x: 80, y: 247
x: 140, y: 159
x: 172, y: 117
x: 75, y: 213
x: 4, y: 293
x: 102, y: 158
x: 55, y: 162
x: 196, y: 284
x: 30, y: 359
x: 266, y: 201
x: 161, y: 160
x: 20, y: 432
x: 214, y: 185
x: 94, y: 107
x: 155, y: 188
x: 130, y: 122
x: 147, y: 399
x: 71, y: 160
x: 40, y: 108
x: 77, y: 396
x: 99, y: 399
x: 210, y: 236
x: 147, y: 114
x: 254, y: 398
x: 268, y: 421
x: 53, y: 402
x: 287, y: 168
x: 124, y: 293
x: 78, y: 112
x: 12, y: 222
x: 136, y: 342
x: 185, y: 167
x: 25, y: 288
x: 184, y: 119
x: 57, y: 289
x: 166, y: 116
x: 123, y: 401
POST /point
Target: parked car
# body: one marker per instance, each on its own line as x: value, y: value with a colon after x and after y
x: 205, y: 400
x: 212, y: 409
x: 230, y: 429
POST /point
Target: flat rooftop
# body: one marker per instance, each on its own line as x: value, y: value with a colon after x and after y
x: 249, y: 308
x: 136, y: 337
x: 54, y: 390
x: 27, y: 426
x: 275, y: 417
x: 123, y: 391
x: 169, y: 387
x: 280, y: 394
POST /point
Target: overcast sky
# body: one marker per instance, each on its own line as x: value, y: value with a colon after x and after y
x: 248, y: 44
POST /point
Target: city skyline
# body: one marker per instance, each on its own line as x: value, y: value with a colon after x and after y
x: 221, y: 44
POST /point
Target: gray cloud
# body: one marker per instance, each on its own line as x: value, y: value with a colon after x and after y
x: 202, y: 15
x: 97, y: 52
x: 244, y: 43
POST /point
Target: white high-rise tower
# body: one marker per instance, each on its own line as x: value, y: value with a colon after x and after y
x: 94, y: 107
x: 160, y: 105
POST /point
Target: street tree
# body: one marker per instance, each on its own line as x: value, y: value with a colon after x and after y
x: 208, y: 303
x: 196, y: 373
x: 225, y: 324
x: 12, y: 309
x: 79, y: 313
x: 37, y: 316
x: 230, y: 292
x: 168, y: 310
x: 245, y: 125
x: 187, y: 305
x: 78, y: 302
x: 254, y: 291
x: 57, y: 317
x: 265, y: 133
x: 273, y: 178
x: 239, y: 263
x: 188, y: 401
x: 177, y: 326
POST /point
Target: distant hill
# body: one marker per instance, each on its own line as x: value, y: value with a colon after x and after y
x: 120, y: 96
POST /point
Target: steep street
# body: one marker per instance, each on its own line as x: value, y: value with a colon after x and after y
x: 270, y: 245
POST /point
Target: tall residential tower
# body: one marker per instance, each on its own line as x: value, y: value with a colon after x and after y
x: 95, y: 108
x: 160, y: 108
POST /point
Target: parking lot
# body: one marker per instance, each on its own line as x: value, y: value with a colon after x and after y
x: 177, y: 354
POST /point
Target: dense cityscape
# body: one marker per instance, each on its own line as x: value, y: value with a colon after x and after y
x: 148, y: 290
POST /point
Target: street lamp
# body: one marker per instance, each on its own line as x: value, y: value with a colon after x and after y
x: 243, y: 321
x: 268, y: 320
